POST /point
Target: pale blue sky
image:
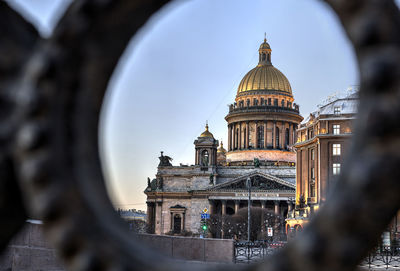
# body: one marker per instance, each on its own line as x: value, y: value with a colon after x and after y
x: 184, y: 68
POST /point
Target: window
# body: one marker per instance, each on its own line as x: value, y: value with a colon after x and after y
x: 336, y: 110
x: 312, y: 190
x: 263, y: 57
x: 312, y: 154
x: 275, y: 102
x: 248, y: 102
x: 310, y: 133
x: 336, y: 149
x: 277, y: 138
x: 312, y: 173
x: 255, y: 102
x: 336, y: 169
x: 283, y: 103
x: 260, y: 137
x: 269, y: 101
x: 204, y: 158
x: 336, y: 129
x: 262, y: 101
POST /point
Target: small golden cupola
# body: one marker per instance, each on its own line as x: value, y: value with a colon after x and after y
x: 221, y: 148
x: 206, y: 150
x: 264, y: 53
x: 206, y: 133
x: 221, y: 155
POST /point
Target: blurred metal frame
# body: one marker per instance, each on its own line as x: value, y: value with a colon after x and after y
x: 51, y: 93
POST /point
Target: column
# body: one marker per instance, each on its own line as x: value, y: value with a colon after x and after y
x: 265, y: 134
x: 282, y: 135
x: 277, y: 207
x: 290, y: 206
x: 256, y: 137
x: 223, y: 211
x: 234, y: 136
x: 240, y: 136
x: 229, y: 137
x: 274, y: 136
x: 211, y: 207
x: 150, y: 214
x: 237, y: 202
x: 291, y: 142
x: 247, y: 135
x: 263, y: 202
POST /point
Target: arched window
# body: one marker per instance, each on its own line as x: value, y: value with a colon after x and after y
x: 286, y: 138
x: 260, y: 137
x: 248, y: 102
x: 277, y: 137
x: 204, y: 158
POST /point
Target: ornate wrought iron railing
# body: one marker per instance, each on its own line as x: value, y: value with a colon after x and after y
x: 383, y: 257
x: 248, y: 252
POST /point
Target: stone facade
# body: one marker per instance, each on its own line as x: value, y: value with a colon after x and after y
x: 261, y: 130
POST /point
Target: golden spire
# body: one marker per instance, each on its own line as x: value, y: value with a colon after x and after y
x: 206, y: 133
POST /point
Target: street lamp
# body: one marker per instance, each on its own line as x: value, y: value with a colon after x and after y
x: 248, y: 209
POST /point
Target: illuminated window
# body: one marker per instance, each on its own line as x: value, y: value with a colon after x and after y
x: 312, y: 190
x: 336, y: 110
x: 336, y: 169
x: 336, y: 149
x: 336, y: 129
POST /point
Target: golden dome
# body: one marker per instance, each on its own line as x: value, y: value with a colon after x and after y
x: 221, y: 148
x: 206, y: 133
x: 265, y: 77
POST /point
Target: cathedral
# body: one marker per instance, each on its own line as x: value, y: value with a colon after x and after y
x: 262, y: 123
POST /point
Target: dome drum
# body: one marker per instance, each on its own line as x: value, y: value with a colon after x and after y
x: 263, y: 119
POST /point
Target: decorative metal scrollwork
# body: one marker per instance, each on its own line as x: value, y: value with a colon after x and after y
x: 51, y: 93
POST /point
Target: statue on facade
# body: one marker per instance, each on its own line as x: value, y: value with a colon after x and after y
x: 204, y: 161
x: 148, y: 182
x: 164, y: 161
x: 160, y: 183
x: 211, y: 178
x: 256, y: 162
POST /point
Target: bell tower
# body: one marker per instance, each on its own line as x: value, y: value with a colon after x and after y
x: 206, y: 149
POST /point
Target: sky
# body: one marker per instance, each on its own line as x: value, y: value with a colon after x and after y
x: 183, y: 69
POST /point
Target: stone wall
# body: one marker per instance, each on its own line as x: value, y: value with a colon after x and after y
x: 29, y: 250
x: 192, y: 249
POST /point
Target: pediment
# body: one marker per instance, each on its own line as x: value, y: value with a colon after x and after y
x: 259, y: 182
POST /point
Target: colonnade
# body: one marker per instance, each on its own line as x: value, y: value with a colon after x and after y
x: 268, y: 134
x: 278, y: 206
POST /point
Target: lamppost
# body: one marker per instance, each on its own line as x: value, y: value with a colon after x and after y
x: 248, y: 209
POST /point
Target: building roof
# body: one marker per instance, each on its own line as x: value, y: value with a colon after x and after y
x: 206, y: 133
x: 265, y: 76
x: 348, y: 105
